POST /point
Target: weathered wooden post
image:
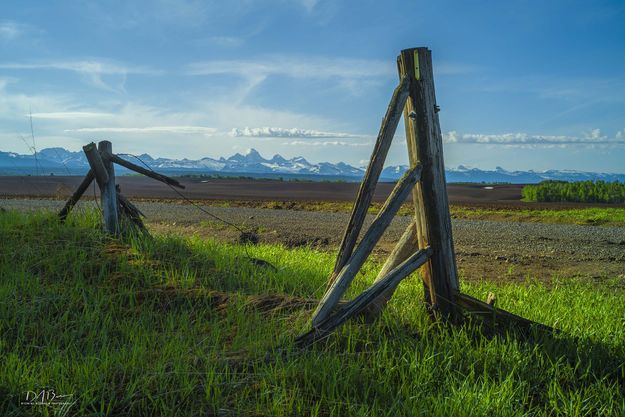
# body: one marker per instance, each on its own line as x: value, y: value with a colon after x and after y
x: 425, y: 146
x: 104, y: 173
x: 108, y: 193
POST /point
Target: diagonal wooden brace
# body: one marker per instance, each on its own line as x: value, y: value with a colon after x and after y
x: 86, y: 182
x: 358, y: 304
x: 148, y: 173
x: 370, y: 180
x: 369, y: 240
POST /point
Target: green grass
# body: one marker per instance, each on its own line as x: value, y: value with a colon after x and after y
x: 178, y: 326
x: 597, y: 216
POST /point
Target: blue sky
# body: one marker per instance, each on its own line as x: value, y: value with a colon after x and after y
x: 521, y: 84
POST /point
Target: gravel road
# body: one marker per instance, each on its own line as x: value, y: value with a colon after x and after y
x: 488, y: 249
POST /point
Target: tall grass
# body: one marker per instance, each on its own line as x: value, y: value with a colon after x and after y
x: 173, y: 326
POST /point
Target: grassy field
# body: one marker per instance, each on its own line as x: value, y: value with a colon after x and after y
x: 174, y: 326
x: 597, y: 216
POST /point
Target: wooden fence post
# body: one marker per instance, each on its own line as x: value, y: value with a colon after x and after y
x: 108, y: 193
x: 425, y: 145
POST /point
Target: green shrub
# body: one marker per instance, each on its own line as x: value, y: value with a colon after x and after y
x: 579, y: 191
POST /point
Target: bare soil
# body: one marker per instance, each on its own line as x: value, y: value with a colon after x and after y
x: 504, y: 196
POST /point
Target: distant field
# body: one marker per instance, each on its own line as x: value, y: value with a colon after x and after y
x: 243, y: 189
x: 504, y: 196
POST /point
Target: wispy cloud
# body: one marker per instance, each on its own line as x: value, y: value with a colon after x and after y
x: 84, y: 66
x: 326, y: 143
x: 70, y: 115
x: 92, y: 70
x: 592, y: 138
x: 10, y: 30
x: 295, y: 67
x: 556, y: 88
x: 225, y: 41
x: 353, y: 75
x: 309, y: 5
x: 125, y: 15
x: 206, y: 131
x: 279, y: 132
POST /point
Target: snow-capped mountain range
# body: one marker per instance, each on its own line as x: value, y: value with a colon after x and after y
x: 59, y: 161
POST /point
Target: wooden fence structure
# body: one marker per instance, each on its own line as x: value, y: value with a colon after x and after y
x: 113, y: 204
x: 427, y: 243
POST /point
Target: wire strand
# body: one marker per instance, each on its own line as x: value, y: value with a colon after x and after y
x: 203, y: 210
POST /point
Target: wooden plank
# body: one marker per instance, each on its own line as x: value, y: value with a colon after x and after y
x: 370, y: 180
x: 431, y: 203
x: 417, y: 202
x: 130, y: 212
x: 358, y: 304
x: 95, y: 162
x: 108, y: 193
x: 490, y: 312
x: 148, y: 173
x: 366, y: 245
x: 405, y: 247
x: 86, y: 182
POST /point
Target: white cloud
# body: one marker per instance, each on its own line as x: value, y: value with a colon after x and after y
x: 91, y: 70
x: 309, y: 5
x: 352, y: 75
x: 325, y: 143
x: 10, y: 30
x: 83, y: 66
x: 71, y: 115
x: 206, y: 131
x: 594, y: 137
x: 279, y: 132
x: 17, y: 106
x: 225, y: 41
x: 595, y: 134
x: 296, y: 67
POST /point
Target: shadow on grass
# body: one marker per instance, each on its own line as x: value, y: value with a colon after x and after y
x: 582, y: 360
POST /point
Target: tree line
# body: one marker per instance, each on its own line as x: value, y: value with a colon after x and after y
x: 579, y: 191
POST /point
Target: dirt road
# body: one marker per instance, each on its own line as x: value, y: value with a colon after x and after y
x: 485, y: 249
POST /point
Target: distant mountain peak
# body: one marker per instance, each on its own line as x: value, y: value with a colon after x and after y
x: 60, y: 161
x: 277, y: 158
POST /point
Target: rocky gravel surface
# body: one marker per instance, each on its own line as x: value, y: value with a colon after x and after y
x: 485, y: 249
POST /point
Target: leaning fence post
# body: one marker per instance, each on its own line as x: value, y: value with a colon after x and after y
x: 108, y: 193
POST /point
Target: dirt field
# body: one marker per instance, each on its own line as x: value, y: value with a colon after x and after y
x: 504, y: 196
x: 492, y: 250
x: 240, y: 189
